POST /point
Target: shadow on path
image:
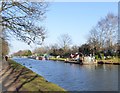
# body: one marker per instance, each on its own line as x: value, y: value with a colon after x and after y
x: 13, y: 78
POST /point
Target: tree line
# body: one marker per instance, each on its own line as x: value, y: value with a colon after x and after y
x: 102, y: 39
x: 18, y: 19
x: 23, y: 53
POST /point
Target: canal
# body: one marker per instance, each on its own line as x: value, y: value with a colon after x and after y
x: 74, y: 77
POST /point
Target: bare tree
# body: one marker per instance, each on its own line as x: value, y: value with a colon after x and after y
x: 41, y: 50
x: 74, y: 49
x: 64, y: 41
x: 21, y: 19
x: 93, y: 38
x: 104, y: 34
x: 108, y: 27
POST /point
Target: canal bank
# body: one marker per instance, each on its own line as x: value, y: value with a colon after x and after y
x: 74, y: 77
x: 16, y: 77
x: 115, y: 61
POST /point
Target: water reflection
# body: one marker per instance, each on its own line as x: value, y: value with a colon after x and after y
x: 76, y: 77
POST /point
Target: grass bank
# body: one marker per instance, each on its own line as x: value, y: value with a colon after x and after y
x: 57, y: 59
x: 27, y: 80
x: 114, y: 60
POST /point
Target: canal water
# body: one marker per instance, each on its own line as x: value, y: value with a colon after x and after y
x: 74, y: 77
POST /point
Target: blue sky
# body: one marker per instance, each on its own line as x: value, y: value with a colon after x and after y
x: 73, y: 18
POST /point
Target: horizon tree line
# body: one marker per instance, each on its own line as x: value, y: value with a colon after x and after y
x: 23, y: 27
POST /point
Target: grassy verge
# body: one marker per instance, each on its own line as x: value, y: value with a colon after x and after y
x: 57, y: 59
x: 27, y: 80
x: 113, y: 60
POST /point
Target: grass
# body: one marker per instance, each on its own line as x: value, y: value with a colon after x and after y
x: 114, y: 60
x: 58, y: 59
x: 40, y: 84
x: 37, y: 84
